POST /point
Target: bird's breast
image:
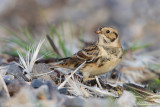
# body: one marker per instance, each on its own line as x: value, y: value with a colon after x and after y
x: 95, y: 69
x: 107, y: 59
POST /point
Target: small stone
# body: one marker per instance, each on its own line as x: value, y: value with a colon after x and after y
x: 8, y: 79
x: 15, y: 86
x: 43, y: 69
x: 63, y: 91
x: 15, y: 71
x: 36, y: 83
x: 52, y: 89
x: 51, y: 85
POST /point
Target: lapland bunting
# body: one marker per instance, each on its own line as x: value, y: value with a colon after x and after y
x: 101, y: 57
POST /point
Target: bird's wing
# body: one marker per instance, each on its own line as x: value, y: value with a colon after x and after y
x: 87, y: 53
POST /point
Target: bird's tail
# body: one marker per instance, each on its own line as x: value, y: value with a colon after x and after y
x: 59, y: 63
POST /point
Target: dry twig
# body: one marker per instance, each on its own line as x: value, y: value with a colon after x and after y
x: 53, y: 46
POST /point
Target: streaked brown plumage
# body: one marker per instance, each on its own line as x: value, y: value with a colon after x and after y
x: 100, y: 58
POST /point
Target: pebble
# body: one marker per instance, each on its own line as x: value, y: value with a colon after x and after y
x: 8, y: 79
x: 15, y: 70
x: 63, y: 91
x: 41, y: 68
x: 52, y: 89
x: 36, y: 83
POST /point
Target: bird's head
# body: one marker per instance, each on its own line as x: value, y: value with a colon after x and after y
x: 108, y: 36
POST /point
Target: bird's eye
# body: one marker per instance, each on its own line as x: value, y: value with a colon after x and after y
x: 107, y: 31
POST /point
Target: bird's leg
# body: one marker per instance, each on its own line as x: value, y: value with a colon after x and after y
x: 87, y: 78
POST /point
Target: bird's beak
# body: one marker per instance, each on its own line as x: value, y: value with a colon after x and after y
x: 98, y: 31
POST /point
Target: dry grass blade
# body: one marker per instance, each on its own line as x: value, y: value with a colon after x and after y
x: 146, y: 97
x: 3, y: 70
x: 138, y: 89
x: 4, y: 85
x: 74, y: 87
x: 62, y: 84
x: 38, y: 75
x: 35, y: 54
x: 153, y: 98
x: 99, y: 91
x: 28, y: 62
x: 86, y: 94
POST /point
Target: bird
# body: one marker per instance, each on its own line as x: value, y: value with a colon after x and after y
x: 101, y: 57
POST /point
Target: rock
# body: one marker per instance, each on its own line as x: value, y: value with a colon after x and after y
x: 8, y: 79
x: 43, y: 69
x: 36, y: 83
x: 51, y: 85
x: 63, y: 91
x: 15, y: 71
x: 52, y: 89
x: 15, y: 86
